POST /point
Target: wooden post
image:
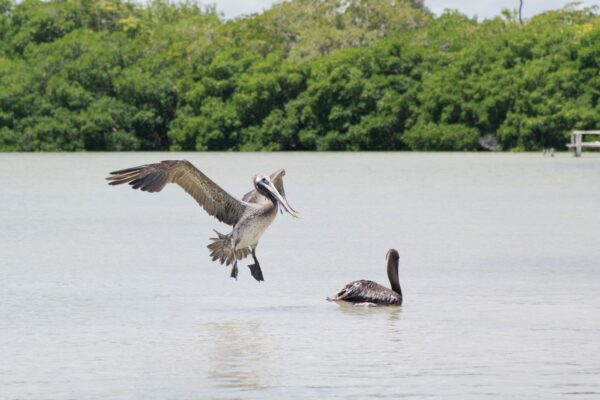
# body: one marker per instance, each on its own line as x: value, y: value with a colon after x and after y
x: 577, y: 143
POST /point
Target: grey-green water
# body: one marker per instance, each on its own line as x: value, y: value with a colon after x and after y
x: 109, y: 293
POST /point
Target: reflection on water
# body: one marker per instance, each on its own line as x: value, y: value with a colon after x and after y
x: 110, y: 293
x: 392, y: 312
x: 237, y: 358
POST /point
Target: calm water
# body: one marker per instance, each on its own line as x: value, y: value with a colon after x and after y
x: 109, y: 293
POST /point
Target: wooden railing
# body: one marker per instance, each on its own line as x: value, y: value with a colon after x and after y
x: 577, y: 143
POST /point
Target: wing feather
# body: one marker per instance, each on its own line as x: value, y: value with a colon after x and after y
x: 210, y: 196
x: 364, y: 291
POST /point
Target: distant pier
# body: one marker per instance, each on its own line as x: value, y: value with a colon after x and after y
x: 577, y: 143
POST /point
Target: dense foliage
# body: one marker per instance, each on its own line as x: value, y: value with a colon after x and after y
x: 304, y: 75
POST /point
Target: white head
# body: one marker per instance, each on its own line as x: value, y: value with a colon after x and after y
x: 264, y: 186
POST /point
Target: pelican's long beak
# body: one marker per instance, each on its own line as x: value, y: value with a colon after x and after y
x: 280, y: 199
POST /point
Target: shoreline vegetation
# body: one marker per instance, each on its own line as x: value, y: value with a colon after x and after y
x: 104, y: 75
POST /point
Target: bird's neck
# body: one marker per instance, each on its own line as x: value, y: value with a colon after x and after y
x: 392, y: 270
x: 268, y: 195
x: 271, y: 197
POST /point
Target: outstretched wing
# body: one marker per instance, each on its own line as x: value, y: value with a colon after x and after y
x: 153, y: 177
x: 277, y: 178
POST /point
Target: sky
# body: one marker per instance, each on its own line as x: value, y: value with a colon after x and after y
x: 481, y: 8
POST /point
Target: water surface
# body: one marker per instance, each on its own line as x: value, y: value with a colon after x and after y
x: 109, y: 292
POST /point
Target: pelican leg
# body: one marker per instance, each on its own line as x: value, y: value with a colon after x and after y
x: 255, y: 268
x: 234, y: 271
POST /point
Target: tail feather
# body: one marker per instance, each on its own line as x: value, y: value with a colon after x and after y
x: 221, y: 249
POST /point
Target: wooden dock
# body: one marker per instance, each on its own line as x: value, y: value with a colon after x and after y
x: 577, y: 143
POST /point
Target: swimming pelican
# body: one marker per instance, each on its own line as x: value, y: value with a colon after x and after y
x: 372, y: 293
x: 250, y: 217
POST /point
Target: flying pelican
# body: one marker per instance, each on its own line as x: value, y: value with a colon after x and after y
x: 250, y: 217
x: 372, y: 293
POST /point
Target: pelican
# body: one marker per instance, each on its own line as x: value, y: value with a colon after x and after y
x: 372, y: 293
x: 250, y: 217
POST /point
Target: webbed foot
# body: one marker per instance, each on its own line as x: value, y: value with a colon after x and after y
x: 256, y: 271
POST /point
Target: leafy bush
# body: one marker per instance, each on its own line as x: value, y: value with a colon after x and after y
x: 443, y: 137
x: 304, y: 75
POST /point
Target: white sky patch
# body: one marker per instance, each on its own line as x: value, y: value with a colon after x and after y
x: 236, y: 8
x: 482, y: 8
x: 492, y: 8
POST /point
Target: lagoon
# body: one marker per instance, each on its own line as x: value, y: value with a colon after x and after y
x: 109, y: 292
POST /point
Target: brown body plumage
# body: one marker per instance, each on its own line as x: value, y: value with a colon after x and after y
x: 369, y: 292
x: 250, y: 217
